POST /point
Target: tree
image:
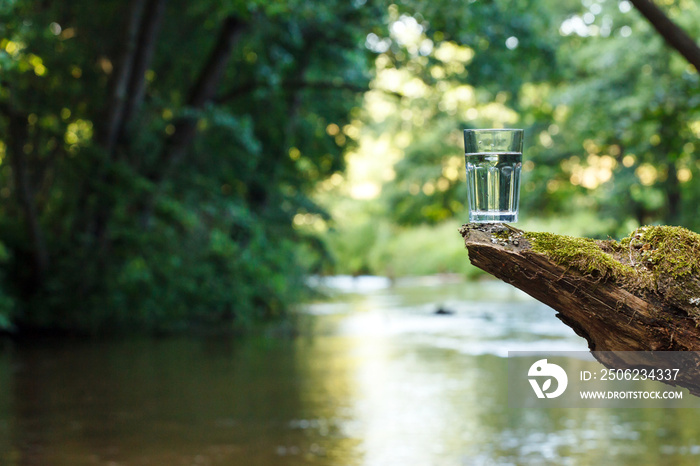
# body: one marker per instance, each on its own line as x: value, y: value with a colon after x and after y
x: 439, y: 70
x: 157, y: 154
x: 672, y: 34
x: 610, y: 115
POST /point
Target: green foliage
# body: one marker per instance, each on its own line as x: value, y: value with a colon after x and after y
x: 130, y: 238
x: 611, y: 114
x: 199, y: 207
x: 620, y: 122
x: 378, y: 247
x: 448, y: 68
x: 423, y: 250
x: 7, y: 302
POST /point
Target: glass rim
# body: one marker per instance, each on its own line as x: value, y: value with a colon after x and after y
x: 495, y: 129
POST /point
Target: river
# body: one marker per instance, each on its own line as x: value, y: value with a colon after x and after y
x: 372, y: 376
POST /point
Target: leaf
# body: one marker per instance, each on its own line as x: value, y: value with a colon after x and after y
x: 546, y: 385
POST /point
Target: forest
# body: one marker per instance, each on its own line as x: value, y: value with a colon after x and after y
x: 169, y: 165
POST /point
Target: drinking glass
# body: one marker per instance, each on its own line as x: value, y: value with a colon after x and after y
x: 494, y: 159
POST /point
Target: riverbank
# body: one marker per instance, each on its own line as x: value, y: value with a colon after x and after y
x: 374, y: 246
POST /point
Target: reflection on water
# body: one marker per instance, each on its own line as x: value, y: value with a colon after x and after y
x: 374, y: 378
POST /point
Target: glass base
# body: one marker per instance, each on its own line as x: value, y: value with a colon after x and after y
x: 492, y: 216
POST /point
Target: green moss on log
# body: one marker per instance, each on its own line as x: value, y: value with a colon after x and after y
x: 583, y: 254
x: 666, y: 251
x: 660, y: 259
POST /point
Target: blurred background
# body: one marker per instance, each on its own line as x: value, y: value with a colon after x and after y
x: 172, y: 168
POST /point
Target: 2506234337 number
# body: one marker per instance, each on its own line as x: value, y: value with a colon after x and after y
x: 639, y: 374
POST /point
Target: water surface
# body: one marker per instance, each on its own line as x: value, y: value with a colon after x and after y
x: 374, y: 377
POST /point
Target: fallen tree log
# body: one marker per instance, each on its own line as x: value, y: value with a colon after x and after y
x: 639, y: 294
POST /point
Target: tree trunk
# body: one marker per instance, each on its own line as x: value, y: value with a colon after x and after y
x: 148, y: 36
x: 128, y: 84
x: 202, y: 93
x: 120, y: 80
x: 641, y: 294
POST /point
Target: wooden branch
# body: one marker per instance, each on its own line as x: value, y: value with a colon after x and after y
x: 203, y: 92
x: 148, y: 35
x: 618, y: 296
x: 129, y: 82
x: 121, y: 78
x: 672, y: 34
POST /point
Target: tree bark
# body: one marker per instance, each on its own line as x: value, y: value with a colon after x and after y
x: 129, y: 82
x: 202, y: 93
x: 148, y: 35
x: 612, y: 314
x: 672, y: 34
x: 121, y: 78
x: 128, y: 90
